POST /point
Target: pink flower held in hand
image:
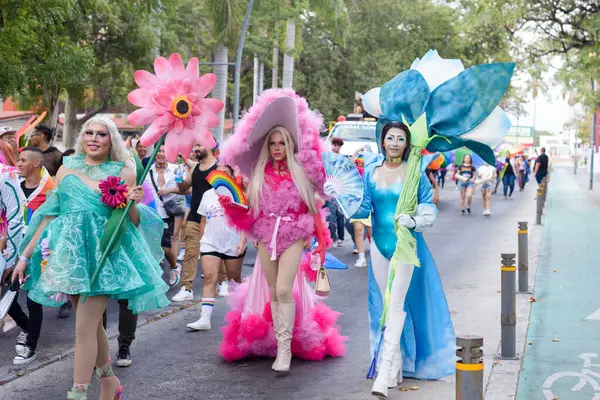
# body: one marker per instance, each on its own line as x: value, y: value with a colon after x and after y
x: 174, y: 102
x: 114, y: 192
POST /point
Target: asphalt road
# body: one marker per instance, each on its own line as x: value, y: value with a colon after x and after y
x: 171, y: 363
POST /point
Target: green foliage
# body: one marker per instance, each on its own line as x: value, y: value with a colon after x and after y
x: 566, y: 33
x: 92, y: 47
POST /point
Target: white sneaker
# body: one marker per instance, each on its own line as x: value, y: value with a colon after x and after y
x: 224, y: 289
x: 340, y: 243
x: 334, y: 245
x: 181, y: 254
x: 203, y: 324
x: 361, y: 262
x: 175, y: 275
x: 183, y: 295
x: 21, y: 341
x: 25, y: 356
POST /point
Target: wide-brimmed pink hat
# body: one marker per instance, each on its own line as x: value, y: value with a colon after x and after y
x: 281, y: 111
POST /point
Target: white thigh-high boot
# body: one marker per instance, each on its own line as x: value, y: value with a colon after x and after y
x: 287, y: 314
x: 396, y: 370
x: 276, y: 327
x: 391, y: 339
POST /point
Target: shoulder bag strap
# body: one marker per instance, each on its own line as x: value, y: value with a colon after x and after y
x: 155, y: 186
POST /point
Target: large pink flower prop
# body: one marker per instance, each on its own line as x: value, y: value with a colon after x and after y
x: 174, y: 102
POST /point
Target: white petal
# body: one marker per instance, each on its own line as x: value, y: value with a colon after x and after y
x: 437, y: 70
x: 371, y: 102
x: 492, y: 130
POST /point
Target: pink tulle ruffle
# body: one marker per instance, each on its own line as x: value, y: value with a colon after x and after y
x: 249, y: 330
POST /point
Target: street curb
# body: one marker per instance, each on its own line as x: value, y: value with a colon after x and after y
x: 172, y: 309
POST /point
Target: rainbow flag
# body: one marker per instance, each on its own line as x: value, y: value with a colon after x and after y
x: 38, y: 197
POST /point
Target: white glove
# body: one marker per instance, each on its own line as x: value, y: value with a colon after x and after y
x: 406, y: 220
x: 330, y: 189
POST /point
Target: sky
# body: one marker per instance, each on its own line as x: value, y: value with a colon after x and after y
x: 551, y: 108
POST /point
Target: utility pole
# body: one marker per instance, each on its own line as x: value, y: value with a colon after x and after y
x: 593, y: 138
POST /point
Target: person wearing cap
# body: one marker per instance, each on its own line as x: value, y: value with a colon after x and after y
x: 41, y: 138
x: 277, y: 146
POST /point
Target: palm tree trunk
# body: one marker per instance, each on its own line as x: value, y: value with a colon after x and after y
x: 274, y: 77
x: 220, y: 90
x: 288, y: 60
x: 255, y: 90
x: 70, y: 126
x: 261, y: 76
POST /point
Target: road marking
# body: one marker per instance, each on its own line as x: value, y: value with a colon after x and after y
x: 594, y: 316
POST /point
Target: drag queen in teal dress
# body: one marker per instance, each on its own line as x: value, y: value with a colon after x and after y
x: 61, y: 251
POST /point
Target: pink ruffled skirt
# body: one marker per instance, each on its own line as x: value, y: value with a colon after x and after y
x: 249, y: 330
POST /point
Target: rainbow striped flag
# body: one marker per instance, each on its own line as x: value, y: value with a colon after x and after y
x: 38, y: 197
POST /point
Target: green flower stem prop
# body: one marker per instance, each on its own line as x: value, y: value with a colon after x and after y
x: 406, y: 245
x: 113, y: 229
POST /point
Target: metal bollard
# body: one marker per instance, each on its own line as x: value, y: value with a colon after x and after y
x: 539, y: 206
x: 545, y: 189
x: 508, y: 316
x: 574, y: 165
x: 469, y: 369
x: 523, y: 258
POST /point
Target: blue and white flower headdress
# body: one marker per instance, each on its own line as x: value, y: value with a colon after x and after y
x: 460, y: 106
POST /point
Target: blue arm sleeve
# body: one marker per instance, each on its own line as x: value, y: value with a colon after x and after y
x: 365, y: 206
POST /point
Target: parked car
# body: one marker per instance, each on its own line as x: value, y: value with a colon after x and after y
x: 355, y: 134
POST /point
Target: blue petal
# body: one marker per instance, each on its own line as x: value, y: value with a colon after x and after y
x: 453, y: 142
x: 406, y: 94
x: 463, y: 102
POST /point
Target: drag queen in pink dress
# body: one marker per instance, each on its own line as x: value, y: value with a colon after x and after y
x: 275, y: 311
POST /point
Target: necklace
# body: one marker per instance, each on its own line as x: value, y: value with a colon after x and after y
x: 94, y: 171
x: 394, y: 160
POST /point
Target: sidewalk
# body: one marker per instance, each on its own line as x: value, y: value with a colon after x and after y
x: 561, y: 358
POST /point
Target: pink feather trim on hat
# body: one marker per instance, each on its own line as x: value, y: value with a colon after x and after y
x: 309, y: 122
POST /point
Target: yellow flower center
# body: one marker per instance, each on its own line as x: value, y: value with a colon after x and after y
x: 181, y: 107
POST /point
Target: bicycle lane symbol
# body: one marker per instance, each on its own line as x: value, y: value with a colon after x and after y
x: 586, y: 376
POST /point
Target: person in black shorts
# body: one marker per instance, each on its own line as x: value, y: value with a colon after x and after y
x: 207, y: 162
x: 220, y: 243
x: 541, y: 166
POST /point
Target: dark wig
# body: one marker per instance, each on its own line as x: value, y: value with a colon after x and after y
x: 401, y: 126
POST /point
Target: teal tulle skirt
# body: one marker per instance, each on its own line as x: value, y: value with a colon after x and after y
x: 68, y: 252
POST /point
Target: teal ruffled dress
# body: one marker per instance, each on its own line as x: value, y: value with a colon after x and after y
x: 131, y: 272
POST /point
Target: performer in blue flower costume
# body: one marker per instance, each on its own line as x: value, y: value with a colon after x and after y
x: 437, y: 105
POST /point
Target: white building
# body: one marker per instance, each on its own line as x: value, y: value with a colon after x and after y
x: 556, y: 145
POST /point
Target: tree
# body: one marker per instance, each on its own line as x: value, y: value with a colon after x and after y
x: 86, y: 49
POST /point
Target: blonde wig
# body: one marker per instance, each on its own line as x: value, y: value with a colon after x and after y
x: 305, y: 188
x: 118, y: 149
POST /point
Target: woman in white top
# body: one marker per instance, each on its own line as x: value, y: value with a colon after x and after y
x: 171, y: 207
x: 220, y: 243
x: 486, y: 179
